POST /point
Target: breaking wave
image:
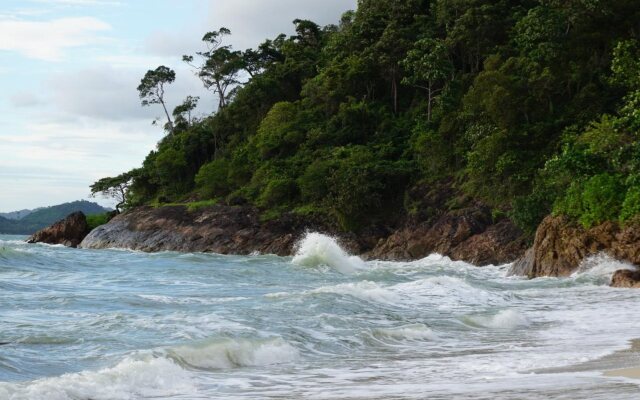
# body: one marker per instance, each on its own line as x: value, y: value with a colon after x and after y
x: 233, y: 353
x: 316, y: 249
x: 131, y: 379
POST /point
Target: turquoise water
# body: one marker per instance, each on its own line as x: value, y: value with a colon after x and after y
x: 115, y: 324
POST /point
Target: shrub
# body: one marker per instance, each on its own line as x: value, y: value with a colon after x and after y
x: 213, y: 178
x: 631, y: 204
x: 94, y: 221
x: 593, y: 201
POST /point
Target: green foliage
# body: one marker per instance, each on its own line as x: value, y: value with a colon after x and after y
x: 213, y: 178
x: 525, y: 105
x: 631, y: 204
x: 94, y: 221
x: 594, y: 201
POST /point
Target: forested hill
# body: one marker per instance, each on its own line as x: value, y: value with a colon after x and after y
x: 42, y: 217
x: 529, y: 106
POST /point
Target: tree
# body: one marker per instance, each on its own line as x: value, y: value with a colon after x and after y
x: 114, y: 187
x: 428, y: 66
x: 220, y: 65
x: 151, y: 89
x: 182, y: 113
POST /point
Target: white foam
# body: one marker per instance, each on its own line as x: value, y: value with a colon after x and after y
x: 232, y: 353
x: 316, y: 249
x: 130, y: 379
x: 189, y: 300
x: 506, y: 319
x: 600, y: 268
x: 365, y: 290
x: 408, y: 332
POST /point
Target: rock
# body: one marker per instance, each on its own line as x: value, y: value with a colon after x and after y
x: 626, y: 278
x: 217, y: 229
x: 560, y: 245
x: 466, y: 235
x: 69, y: 231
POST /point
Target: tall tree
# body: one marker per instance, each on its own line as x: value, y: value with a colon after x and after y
x: 152, y: 87
x: 220, y: 65
x: 429, y: 67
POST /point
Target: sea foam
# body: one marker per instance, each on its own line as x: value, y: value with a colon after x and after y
x: 506, y: 319
x: 132, y: 378
x: 600, y: 268
x: 316, y: 249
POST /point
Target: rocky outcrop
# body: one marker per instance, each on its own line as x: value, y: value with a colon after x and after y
x: 560, y: 245
x: 218, y: 229
x: 467, y: 235
x: 625, y: 278
x: 69, y: 231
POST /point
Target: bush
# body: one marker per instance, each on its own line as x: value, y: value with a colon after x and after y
x: 94, y: 221
x: 631, y: 204
x: 213, y: 178
x: 278, y: 192
x: 596, y: 200
x: 529, y: 211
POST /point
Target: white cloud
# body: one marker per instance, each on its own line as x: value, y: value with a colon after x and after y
x: 47, y: 40
x: 107, y: 93
x: 253, y: 21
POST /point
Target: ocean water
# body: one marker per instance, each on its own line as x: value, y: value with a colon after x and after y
x: 115, y: 324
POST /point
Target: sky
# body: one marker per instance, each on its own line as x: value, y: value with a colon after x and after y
x: 69, y: 109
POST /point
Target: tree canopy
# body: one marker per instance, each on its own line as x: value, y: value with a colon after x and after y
x: 530, y: 106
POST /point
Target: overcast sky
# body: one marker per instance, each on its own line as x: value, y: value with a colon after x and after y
x: 69, y: 110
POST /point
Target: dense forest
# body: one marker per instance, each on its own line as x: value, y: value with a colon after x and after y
x: 529, y: 106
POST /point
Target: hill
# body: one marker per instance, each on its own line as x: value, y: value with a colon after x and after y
x: 530, y: 107
x: 43, y: 217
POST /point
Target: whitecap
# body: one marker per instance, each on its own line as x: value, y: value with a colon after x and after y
x: 316, y: 249
x: 131, y: 379
x: 406, y: 332
x: 506, y: 319
x: 600, y: 268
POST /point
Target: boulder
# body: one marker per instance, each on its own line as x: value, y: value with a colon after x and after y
x: 69, y: 231
x: 626, y: 278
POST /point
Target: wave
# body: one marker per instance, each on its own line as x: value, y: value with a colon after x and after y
x: 506, y: 319
x: 600, y: 268
x: 188, y: 300
x: 316, y: 249
x: 365, y: 290
x: 130, y: 379
x: 233, y: 353
x: 406, y: 332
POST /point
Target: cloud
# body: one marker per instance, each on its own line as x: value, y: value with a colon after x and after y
x: 104, y: 92
x: 79, y: 2
x: 25, y: 99
x: 47, y: 40
x: 253, y: 21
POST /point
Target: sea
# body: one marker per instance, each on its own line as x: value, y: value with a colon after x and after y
x: 117, y: 324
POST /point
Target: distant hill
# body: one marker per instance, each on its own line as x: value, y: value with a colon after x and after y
x: 34, y: 220
x: 14, y: 215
